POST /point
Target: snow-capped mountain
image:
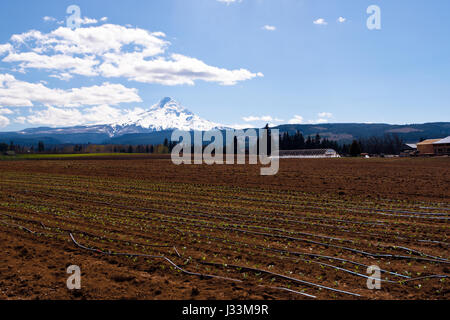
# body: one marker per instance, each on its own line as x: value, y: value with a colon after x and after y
x: 165, y: 115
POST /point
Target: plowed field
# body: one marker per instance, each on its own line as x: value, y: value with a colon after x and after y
x: 146, y: 229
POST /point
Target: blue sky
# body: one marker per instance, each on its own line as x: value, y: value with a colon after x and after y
x: 219, y: 60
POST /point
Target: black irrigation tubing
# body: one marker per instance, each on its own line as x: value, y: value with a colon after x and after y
x: 85, y: 233
x: 130, y: 255
x: 315, y: 242
x: 269, y: 193
x: 435, y: 242
x: 342, y: 269
x: 437, y: 208
x: 222, y: 217
x: 310, y: 218
x: 325, y: 226
x: 231, y: 215
x: 302, y: 233
x: 345, y: 260
x: 289, y: 290
x: 439, y: 276
x: 374, y: 255
x: 216, y: 217
x: 175, y: 249
x: 213, y: 276
x: 28, y: 230
x: 370, y: 211
x: 201, y: 275
x: 346, y: 270
x: 151, y: 257
x: 415, y: 202
x: 219, y: 217
x: 316, y: 262
x: 327, y: 200
x: 369, y: 234
x: 195, y: 215
x: 401, y: 215
x: 282, y: 251
x: 311, y: 241
x: 351, y: 208
x: 281, y: 276
x: 419, y: 253
x: 157, y: 257
x: 410, y: 212
x: 337, y: 268
x: 337, y: 227
x: 18, y: 226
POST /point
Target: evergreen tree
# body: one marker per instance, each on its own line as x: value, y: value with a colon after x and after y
x: 355, y: 149
x: 41, y: 146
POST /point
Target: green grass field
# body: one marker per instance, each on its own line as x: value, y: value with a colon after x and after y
x: 65, y: 156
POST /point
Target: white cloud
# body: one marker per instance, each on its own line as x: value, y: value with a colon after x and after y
x: 341, y: 19
x: 6, y: 111
x: 229, y: 1
x: 320, y: 21
x: 4, y: 48
x: 175, y: 70
x: 62, y: 76
x: 262, y: 118
x: 325, y: 115
x: 104, y: 19
x: 61, y: 117
x: 253, y: 118
x: 87, y: 20
x: 114, y: 51
x: 49, y: 19
x: 16, y: 93
x: 81, y: 66
x: 4, y: 121
x: 296, y: 120
x: 269, y: 28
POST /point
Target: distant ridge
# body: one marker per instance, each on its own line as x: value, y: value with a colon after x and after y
x: 157, y: 123
x: 167, y: 114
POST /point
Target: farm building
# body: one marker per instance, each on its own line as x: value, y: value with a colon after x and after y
x: 408, y: 149
x: 426, y: 147
x: 434, y: 147
x: 442, y: 147
x: 309, y: 153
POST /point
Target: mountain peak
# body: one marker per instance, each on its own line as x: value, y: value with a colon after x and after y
x: 166, y: 100
x: 167, y: 114
x: 170, y: 105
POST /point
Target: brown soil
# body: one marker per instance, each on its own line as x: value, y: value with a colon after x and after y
x: 225, y: 221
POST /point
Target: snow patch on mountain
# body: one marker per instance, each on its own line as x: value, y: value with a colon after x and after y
x: 168, y: 114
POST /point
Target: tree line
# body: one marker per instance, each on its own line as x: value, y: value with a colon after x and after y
x: 387, y: 144
x: 164, y: 148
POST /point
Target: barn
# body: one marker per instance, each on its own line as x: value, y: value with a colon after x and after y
x: 426, y: 147
x: 309, y: 153
x: 442, y: 147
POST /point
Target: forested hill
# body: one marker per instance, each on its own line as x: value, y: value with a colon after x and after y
x: 346, y: 132
x: 339, y: 132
